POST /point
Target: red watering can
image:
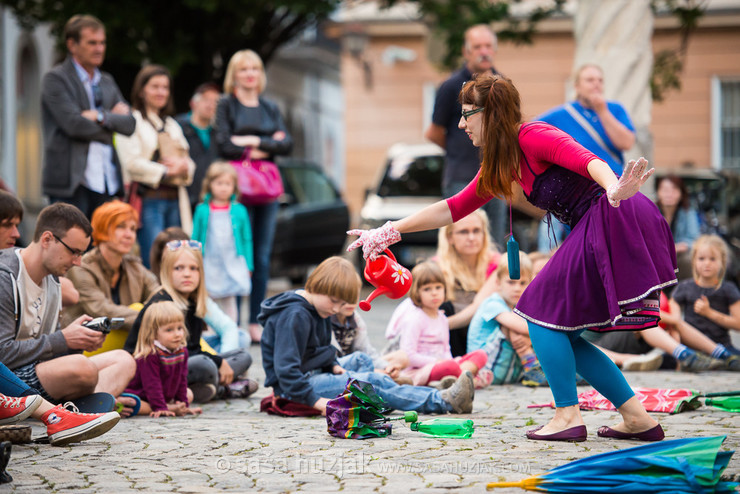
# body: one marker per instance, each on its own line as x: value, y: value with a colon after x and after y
x: 388, y: 277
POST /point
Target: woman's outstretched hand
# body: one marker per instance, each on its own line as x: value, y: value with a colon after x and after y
x: 630, y: 182
x: 374, y: 241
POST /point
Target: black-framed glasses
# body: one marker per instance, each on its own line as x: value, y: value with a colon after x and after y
x: 74, y: 252
x: 191, y: 244
x: 97, y: 96
x: 470, y: 113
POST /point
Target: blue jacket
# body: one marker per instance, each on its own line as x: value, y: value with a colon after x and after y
x: 296, y: 343
x: 239, y: 223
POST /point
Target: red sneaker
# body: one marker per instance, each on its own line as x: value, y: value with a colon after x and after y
x: 14, y: 410
x: 65, y: 424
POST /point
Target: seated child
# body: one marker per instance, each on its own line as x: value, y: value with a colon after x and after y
x: 161, y: 380
x: 708, y: 302
x: 502, y: 334
x: 349, y: 335
x: 301, y: 365
x: 420, y: 328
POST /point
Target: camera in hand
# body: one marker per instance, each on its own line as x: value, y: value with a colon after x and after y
x: 104, y: 324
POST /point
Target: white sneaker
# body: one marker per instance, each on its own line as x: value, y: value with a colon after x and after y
x: 646, y: 362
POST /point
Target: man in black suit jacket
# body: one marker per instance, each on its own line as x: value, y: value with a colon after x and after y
x: 81, y: 109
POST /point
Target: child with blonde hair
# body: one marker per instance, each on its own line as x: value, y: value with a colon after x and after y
x: 161, y: 380
x: 708, y: 302
x: 420, y: 328
x: 301, y: 365
x: 221, y: 225
x: 502, y: 334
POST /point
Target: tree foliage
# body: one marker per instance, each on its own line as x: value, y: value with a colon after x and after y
x: 449, y: 20
x: 668, y: 64
x: 192, y: 38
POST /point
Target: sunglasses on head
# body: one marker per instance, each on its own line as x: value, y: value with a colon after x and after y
x: 191, y: 244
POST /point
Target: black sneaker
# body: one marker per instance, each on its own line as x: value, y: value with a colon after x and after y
x: 203, y: 392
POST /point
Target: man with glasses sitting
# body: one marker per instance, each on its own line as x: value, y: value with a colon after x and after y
x: 81, y: 108
x: 31, y: 345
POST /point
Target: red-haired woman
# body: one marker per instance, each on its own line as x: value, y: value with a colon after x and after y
x: 606, y: 275
x: 112, y: 282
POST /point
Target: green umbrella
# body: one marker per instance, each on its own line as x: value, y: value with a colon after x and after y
x: 692, y: 465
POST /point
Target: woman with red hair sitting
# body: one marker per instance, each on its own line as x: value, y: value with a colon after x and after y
x: 112, y: 282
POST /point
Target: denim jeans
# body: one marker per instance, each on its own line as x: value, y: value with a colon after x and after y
x: 359, y: 366
x: 262, y: 219
x: 496, y: 209
x: 156, y: 215
x: 11, y: 385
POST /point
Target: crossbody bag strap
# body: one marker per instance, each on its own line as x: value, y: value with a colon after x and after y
x: 581, y: 120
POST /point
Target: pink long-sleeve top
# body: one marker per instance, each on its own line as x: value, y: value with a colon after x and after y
x: 425, y: 339
x: 542, y: 146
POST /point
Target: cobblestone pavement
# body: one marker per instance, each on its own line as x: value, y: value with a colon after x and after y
x: 234, y: 448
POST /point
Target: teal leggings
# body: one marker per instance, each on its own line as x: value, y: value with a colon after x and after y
x: 563, y: 353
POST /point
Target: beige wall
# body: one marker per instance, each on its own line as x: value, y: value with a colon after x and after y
x: 392, y: 110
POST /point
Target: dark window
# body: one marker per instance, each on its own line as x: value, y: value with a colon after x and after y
x: 405, y: 176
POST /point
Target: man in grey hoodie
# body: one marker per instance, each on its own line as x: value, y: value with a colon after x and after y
x: 31, y: 345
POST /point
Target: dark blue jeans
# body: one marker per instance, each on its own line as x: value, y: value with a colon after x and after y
x: 11, y: 385
x: 399, y: 397
x: 156, y: 215
x: 262, y: 219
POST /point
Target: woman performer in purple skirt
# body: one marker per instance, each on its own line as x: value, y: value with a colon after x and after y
x: 607, y: 274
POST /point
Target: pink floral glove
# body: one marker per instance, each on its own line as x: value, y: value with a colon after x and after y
x: 630, y: 182
x: 374, y: 241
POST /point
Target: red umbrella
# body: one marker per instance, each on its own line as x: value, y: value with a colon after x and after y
x: 653, y: 399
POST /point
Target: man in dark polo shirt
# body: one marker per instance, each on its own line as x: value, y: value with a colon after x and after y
x: 462, y: 159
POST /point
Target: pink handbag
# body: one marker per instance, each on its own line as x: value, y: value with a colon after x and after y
x: 259, y: 181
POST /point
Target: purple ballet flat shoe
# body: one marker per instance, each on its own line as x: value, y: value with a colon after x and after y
x: 574, y: 434
x: 654, y: 434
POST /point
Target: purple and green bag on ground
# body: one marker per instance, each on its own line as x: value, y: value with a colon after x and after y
x: 358, y: 413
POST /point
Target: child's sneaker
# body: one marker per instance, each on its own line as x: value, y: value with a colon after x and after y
x: 14, y: 410
x: 203, y: 392
x: 444, y: 383
x: 646, y: 362
x: 732, y: 363
x: 534, y: 376
x: 242, y: 389
x: 697, y: 362
x: 460, y: 395
x: 483, y: 378
x: 65, y: 424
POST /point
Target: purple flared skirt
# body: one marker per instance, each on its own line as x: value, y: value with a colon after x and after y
x: 608, y: 272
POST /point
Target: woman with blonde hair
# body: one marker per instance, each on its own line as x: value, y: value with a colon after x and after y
x: 110, y: 279
x: 250, y: 126
x: 183, y: 282
x: 467, y: 257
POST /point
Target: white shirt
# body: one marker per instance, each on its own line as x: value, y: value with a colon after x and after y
x: 33, y: 303
x: 100, y: 173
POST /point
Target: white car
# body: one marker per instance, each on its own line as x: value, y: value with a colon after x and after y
x: 410, y: 181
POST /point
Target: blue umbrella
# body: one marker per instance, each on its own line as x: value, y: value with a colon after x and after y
x: 692, y: 466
